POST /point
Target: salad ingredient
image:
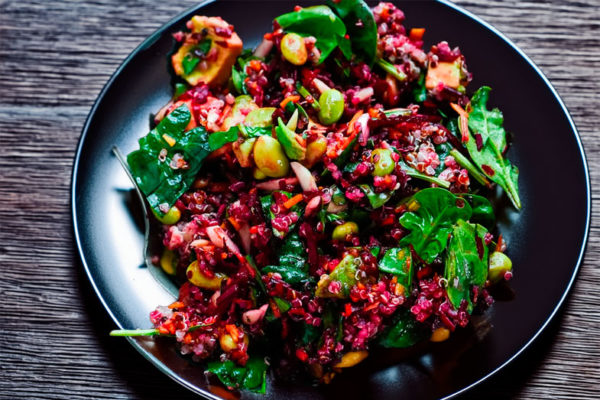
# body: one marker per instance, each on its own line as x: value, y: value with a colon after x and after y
x: 270, y: 158
x: 331, y: 102
x: 293, y: 49
x: 500, y: 267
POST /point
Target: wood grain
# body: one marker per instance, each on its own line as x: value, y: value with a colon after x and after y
x: 54, y: 59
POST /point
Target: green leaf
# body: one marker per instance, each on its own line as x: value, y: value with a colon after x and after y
x: 251, y: 377
x: 345, y: 154
x: 267, y: 201
x: 360, y: 25
x: 282, y: 304
x: 189, y: 62
x: 180, y: 88
x: 467, y: 262
x: 405, y: 331
x: 413, y: 173
x: 433, y: 213
x: 483, y: 212
x: 344, y: 273
x: 154, y: 174
x: 376, y: 199
x: 398, y: 261
x: 490, y: 159
x: 391, y: 69
x: 219, y: 139
x: 318, y: 21
x: 310, y: 334
x: 419, y: 92
x: 292, y: 265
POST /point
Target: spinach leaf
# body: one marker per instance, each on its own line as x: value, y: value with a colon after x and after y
x: 219, y: 139
x: 483, y: 212
x: 344, y: 273
x: 251, y: 377
x: 292, y: 265
x: 160, y: 176
x: 318, y: 21
x: 192, y: 58
x: 419, y: 92
x: 376, y: 199
x: 489, y: 156
x: 467, y: 262
x: 310, y: 334
x: 238, y: 71
x: 360, y: 25
x: 404, y: 331
x: 413, y: 173
x: 432, y: 214
x: 398, y: 261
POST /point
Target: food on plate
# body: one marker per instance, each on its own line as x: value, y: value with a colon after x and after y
x: 322, y: 195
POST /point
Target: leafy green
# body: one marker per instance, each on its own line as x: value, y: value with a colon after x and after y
x: 490, y: 159
x: 238, y: 71
x: 467, y: 262
x: 282, y: 304
x: 419, y: 92
x: 376, y: 199
x: 360, y: 25
x: 219, y: 139
x: 192, y: 58
x: 318, y: 21
x: 180, y: 88
x: 310, y: 334
x: 251, y: 377
x: 292, y: 265
x: 391, y: 69
x: 433, y: 213
x: 346, y: 153
x: 160, y: 178
x: 344, y: 273
x: 287, y: 138
x: 398, y: 261
x: 483, y: 212
x: 413, y: 173
x: 404, y: 332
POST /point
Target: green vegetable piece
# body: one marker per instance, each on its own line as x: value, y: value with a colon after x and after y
x: 289, y: 141
x: 332, y: 106
x: 267, y: 201
x: 251, y: 377
x: 260, y: 118
x: 419, y: 91
x: 489, y: 158
x: 391, y: 69
x: 171, y: 217
x: 360, y: 25
x: 384, y: 164
x: 398, y: 261
x: 180, y: 88
x: 467, y: 262
x: 413, y: 173
x: 342, y: 231
x: 344, y: 273
x: 282, y: 304
x: 345, y: 154
x: 159, y: 175
x: 293, y: 49
x: 292, y: 267
x: 242, y: 106
x: 318, y: 21
x: 375, y: 199
x: 483, y: 212
x: 192, y: 59
x: 404, y: 332
x: 217, y: 140
x: 432, y: 213
x: 270, y: 158
x: 468, y: 165
x: 499, y: 265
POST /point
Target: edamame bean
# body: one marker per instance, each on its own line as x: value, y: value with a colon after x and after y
x: 293, y: 49
x: 171, y: 217
x: 499, y: 265
x: 383, y: 162
x: 270, y: 158
x: 332, y: 106
x: 199, y: 279
x: 341, y: 232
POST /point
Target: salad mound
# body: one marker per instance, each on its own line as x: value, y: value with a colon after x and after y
x: 323, y: 194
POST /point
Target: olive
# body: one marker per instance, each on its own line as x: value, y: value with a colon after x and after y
x: 293, y: 49
x: 171, y: 217
x: 499, y: 265
x: 315, y: 151
x: 168, y: 262
x: 199, y: 279
x: 383, y: 162
x: 332, y: 106
x: 341, y: 232
x: 270, y: 158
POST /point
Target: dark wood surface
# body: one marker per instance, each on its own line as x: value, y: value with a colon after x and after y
x: 55, y: 56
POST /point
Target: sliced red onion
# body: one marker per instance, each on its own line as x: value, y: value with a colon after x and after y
x: 364, y: 94
x: 219, y: 237
x: 312, y: 206
x: 244, y: 233
x: 320, y: 85
x: 253, y: 316
x: 214, y: 297
x: 363, y: 123
x: 336, y: 208
x: 263, y: 49
x: 305, y: 178
x: 274, y: 184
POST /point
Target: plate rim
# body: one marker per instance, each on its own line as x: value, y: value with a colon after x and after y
x: 202, y: 3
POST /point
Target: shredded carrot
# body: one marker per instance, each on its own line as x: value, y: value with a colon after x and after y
x: 464, y: 121
x: 163, y: 330
x: 417, y: 33
x: 347, y: 310
x: 372, y: 306
x: 274, y: 308
x: 234, y: 222
x: 255, y: 65
x: 187, y: 339
x: 293, y: 98
x: 459, y: 110
x: 353, y: 120
x: 293, y: 201
x: 224, y: 114
x: 233, y: 331
x: 373, y: 112
x: 177, y: 304
x: 500, y: 243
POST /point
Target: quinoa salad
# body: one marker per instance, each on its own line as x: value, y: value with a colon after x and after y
x: 321, y: 195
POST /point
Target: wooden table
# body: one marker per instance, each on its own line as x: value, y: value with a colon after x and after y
x: 55, y: 56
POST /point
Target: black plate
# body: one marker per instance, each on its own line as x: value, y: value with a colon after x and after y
x: 546, y: 239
